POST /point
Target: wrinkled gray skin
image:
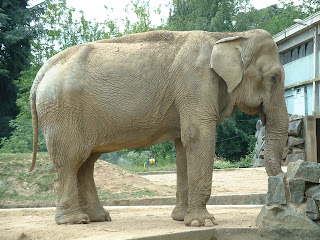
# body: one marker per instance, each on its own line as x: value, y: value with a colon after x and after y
x: 143, y: 89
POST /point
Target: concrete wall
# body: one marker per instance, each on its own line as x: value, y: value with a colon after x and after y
x: 299, y: 100
x: 299, y: 70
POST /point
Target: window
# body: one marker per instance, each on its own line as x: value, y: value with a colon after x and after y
x: 300, y: 51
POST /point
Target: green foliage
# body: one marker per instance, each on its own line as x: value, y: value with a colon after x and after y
x: 134, y: 168
x: 131, y: 159
x: 274, y: 19
x: 208, y: 15
x: 15, y: 33
x: 235, y: 136
x: 22, y: 137
x: 143, y: 23
x: 223, y: 164
x: 247, y: 161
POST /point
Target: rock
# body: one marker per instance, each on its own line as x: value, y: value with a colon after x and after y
x: 295, y: 157
x: 259, y: 125
x: 258, y: 158
x: 312, y: 209
x: 295, y: 117
x: 309, y: 171
x: 314, y: 193
x: 294, y: 141
x: 296, y: 189
x: 286, y: 223
x: 296, y: 150
x: 276, y: 190
x: 261, y: 154
x: 295, y: 127
x: 285, y: 153
x: 290, y: 168
x: 258, y: 162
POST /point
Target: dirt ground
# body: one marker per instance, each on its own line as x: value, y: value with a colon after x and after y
x: 134, y: 222
x: 110, y: 178
x: 227, y: 181
x: 127, y: 223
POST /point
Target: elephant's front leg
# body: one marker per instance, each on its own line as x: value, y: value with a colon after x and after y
x: 200, y: 151
x: 180, y: 211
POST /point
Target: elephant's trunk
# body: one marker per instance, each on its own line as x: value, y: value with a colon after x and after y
x: 276, y: 137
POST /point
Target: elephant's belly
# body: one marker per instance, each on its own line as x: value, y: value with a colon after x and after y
x: 138, y: 139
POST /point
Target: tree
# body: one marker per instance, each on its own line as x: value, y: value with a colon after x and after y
x: 143, y: 23
x: 16, y: 32
x: 275, y: 18
x: 207, y: 15
x: 235, y: 136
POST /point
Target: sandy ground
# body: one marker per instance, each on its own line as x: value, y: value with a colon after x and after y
x: 228, y: 181
x: 127, y: 223
x: 134, y: 222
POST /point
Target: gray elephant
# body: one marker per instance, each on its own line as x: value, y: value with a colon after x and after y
x: 143, y: 89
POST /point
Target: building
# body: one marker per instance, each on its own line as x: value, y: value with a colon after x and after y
x: 299, y: 53
x: 299, y: 47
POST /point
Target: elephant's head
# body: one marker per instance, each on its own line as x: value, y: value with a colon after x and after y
x: 249, y: 64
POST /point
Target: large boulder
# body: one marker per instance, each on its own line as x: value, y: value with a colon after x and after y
x: 293, y: 202
x: 294, y: 141
x: 291, y: 157
x: 309, y: 171
x: 295, y: 127
x: 286, y: 223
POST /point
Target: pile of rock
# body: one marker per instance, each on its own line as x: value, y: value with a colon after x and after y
x: 292, y: 210
x: 295, y: 143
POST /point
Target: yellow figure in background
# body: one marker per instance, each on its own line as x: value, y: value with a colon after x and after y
x: 150, y: 161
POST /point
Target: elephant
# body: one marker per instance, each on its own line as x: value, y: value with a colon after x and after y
x: 143, y: 89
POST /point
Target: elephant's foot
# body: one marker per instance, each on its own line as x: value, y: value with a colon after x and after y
x: 76, y: 217
x: 201, y: 217
x: 98, y: 214
x: 178, y: 213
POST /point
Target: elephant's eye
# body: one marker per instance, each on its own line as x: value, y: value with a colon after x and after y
x: 274, y: 77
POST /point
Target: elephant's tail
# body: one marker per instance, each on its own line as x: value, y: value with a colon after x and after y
x: 34, y: 113
x: 35, y: 128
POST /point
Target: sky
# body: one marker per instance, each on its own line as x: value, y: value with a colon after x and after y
x: 94, y: 9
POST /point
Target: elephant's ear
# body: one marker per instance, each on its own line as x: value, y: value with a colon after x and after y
x: 228, y: 60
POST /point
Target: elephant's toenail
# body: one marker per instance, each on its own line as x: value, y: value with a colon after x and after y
x: 208, y: 223
x: 195, y: 223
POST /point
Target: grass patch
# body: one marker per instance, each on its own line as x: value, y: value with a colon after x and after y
x: 17, y: 183
x: 134, y: 168
x: 218, y: 164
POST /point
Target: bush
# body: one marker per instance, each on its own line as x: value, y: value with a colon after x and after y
x: 235, y: 136
x: 247, y: 161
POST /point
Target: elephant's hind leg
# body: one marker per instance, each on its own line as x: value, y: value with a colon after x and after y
x: 88, y: 196
x: 68, y: 208
x: 180, y: 211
